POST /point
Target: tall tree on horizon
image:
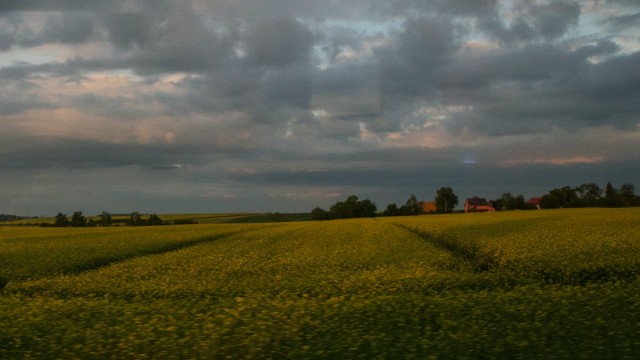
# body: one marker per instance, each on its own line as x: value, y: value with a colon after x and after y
x: 446, y: 200
x: 61, y: 220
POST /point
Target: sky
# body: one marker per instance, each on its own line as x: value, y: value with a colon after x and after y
x: 284, y: 105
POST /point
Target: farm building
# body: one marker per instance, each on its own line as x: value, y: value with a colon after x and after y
x: 535, y: 201
x: 428, y: 207
x: 476, y: 204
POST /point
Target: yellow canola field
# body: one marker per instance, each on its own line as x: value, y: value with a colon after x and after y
x: 567, y: 246
x: 447, y: 286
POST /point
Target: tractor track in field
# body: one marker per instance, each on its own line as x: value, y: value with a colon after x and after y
x: 98, y: 262
x: 483, y: 260
x: 479, y: 261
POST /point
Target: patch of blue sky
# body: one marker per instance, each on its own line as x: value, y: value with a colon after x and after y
x: 597, y: 22
x: 32, y: 56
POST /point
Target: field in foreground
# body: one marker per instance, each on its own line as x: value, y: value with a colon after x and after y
x: 537, y: 284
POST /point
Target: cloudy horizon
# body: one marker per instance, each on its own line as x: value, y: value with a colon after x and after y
x: 282, y: 106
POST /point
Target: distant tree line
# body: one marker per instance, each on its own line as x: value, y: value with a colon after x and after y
x: 7, y: 217
x: 446, y: 200
x: 591, y: 195
x: 411, y: 207
x: 104, y: 219
x: 585, y: 195
x: 350, y: 208
x: 510, y: 202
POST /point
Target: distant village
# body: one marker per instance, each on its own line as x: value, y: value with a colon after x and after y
x: 446, y: 201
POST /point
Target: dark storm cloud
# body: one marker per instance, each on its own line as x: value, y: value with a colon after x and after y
x: 425, y: 64
x: 89, y: 154
x: 426, y: 178
x: 345, y: 177
x: 428, y: 42
x: 264, y: 93
x: 554, y: 19
x: 630, y: 3
x: 13, y: 30
x: 218, y: 91
x: 83, y: 5
x: 348, y: 89
x: 17, y: 106
x: 18, y: 72
x: 265, y: 45
x: 423, y: 48
x: 544, y: 62
x: 126, y: 108
x: 624, y: 21
x: 532, y: 90
x: 472, y: 8
x: 319, y: 10
x: 52, y: 5
x: 338, y: 39
x: 68, y: 28
x: 289, y: 88
x: 126, y: 30
x: 270, y: 74
x: 182, y: 43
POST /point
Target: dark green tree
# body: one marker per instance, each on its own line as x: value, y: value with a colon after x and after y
x: 610, y: 191
x: 135, y: 219
x: 392, y: 210
x: 105, y: 219
x: 352, y: 208
x: 319, y: 214
x: 507, y: 202
x: 497, y: 204
x: 559, y: 198
x: 411, y: 207
x: 612, y: 198
x: 446, y: 200
x: 78, y: 220
x: 554, y: 199
x: 589, y: 194
x: 520, y: 203
x: 344, y: 209
x: 366, y: 208
x: 627, y: 194
x: 154, y: 220
x: 569, y: 195
x: 61, y: 220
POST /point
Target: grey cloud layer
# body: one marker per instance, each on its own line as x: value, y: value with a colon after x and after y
x: 278, y: 83
x: 266, y: 65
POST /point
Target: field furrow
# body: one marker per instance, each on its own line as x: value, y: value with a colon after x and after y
x: 72, y: 251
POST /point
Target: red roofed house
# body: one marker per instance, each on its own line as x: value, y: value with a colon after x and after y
x: 535, y: 201
x: 476, y: 204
